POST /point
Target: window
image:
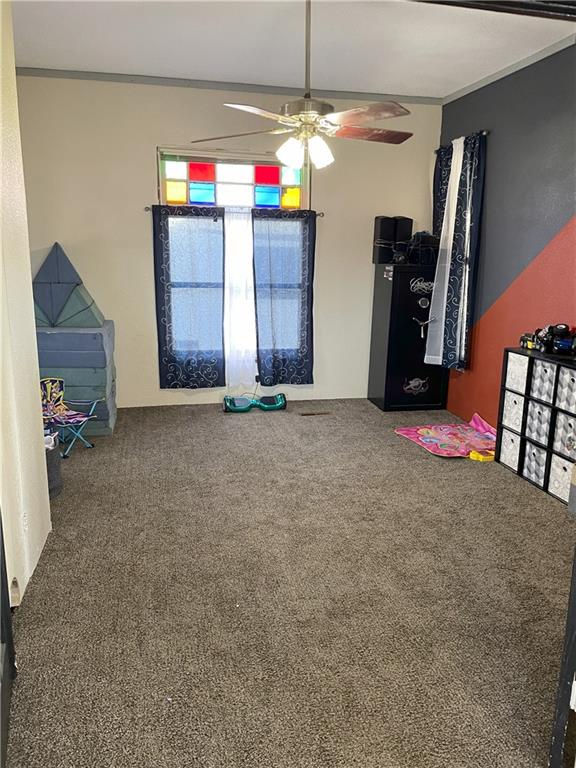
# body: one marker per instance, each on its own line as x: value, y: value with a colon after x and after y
x: 233, y: 295
x: 190, y: 180
x: 195, y: 284
x: 283, y: 258
x: 189, y: 268
x: 278, y: 281
x: 234, y: 264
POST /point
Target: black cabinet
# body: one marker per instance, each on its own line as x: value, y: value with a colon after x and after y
x: 399, y: 379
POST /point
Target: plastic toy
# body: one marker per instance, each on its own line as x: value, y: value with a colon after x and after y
x: 481, y: 455
x: 527, y: 341
x: 244, y: 404
x: 564, y: 346
x: 557, y: 339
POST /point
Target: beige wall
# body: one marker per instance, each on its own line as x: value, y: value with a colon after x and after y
x: 23, y: 484
x: 90, y: 165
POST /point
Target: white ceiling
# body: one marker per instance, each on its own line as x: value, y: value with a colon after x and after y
x: 380, y: 47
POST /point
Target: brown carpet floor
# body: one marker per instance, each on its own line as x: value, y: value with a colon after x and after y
x: 279, y: 591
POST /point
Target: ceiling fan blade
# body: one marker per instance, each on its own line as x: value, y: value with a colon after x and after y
x: 237, y: 135
x: 371, y: 134
x: 263, y: 113
x: 377, y: 111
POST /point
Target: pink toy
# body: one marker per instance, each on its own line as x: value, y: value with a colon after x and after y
x: 453, y: 440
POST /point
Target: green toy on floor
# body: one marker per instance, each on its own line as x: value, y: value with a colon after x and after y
x: 244, y: 404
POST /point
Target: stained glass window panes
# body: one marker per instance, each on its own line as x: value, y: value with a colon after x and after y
x: 235, y: 173
x: 188, y: 178
x: 291, y: 176
x: 176, y: 192
x: 173, y: 169
x: 202, y: 171
x: 267, y: 174
x: 291, y: 197
x: 267, y: 197
x: 235, y: 195
x: 202, y: 193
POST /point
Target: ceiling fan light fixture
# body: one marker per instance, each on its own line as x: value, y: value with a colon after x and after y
x: 308, y: 117
x: 320, y: 153
x: 291, y: 153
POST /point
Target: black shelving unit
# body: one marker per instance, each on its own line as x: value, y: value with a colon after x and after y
x: 537, y: 419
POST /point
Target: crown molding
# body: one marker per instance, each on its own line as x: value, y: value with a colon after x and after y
x: 216, y: 85
x: 550, y: 50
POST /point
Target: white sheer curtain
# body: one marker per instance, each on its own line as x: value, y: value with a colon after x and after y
x: 239, y: 309
x: 435, y: 338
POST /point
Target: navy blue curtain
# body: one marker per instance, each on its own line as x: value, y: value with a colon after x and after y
x: 441, y: 178
x: 189, y: 273
x: 284, y: 245
x: 460, y: 297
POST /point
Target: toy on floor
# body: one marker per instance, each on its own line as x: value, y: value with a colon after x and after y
x: 453, y: 440
x: 482, y: 455
x: 244, y: 404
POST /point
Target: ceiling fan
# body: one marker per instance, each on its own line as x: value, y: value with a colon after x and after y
x: 308, y: 119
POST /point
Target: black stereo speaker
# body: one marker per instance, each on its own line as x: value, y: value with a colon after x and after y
x: 388, y: 232
x: 403, y: 230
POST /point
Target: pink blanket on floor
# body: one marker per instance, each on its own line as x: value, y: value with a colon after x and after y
x: 453, y: 440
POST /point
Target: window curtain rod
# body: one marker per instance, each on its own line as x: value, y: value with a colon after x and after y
x: 482, y: 133
x: 319, y: 214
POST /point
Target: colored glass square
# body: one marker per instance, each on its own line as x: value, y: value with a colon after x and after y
x: 241, y: 195
x: 235, y: 173
x: 202, y: 193
x: 174, y: 169
x: 267, y: 197
x: 291, y: 176
x: 201, y: 171
x: 291, y: 197
x: 176, y: 192
x: 267, y: 174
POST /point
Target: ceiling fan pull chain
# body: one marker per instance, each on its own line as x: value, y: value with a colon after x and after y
x: 308, y: 47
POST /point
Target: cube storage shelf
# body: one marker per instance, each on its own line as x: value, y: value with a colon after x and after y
x: 537, y: 419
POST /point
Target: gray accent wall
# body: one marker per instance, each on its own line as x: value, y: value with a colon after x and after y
x: 530, y: 190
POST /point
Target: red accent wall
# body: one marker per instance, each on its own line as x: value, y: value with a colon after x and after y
x: 545, y: 292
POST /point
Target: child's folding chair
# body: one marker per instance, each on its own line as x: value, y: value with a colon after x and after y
x: 68, y: 422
